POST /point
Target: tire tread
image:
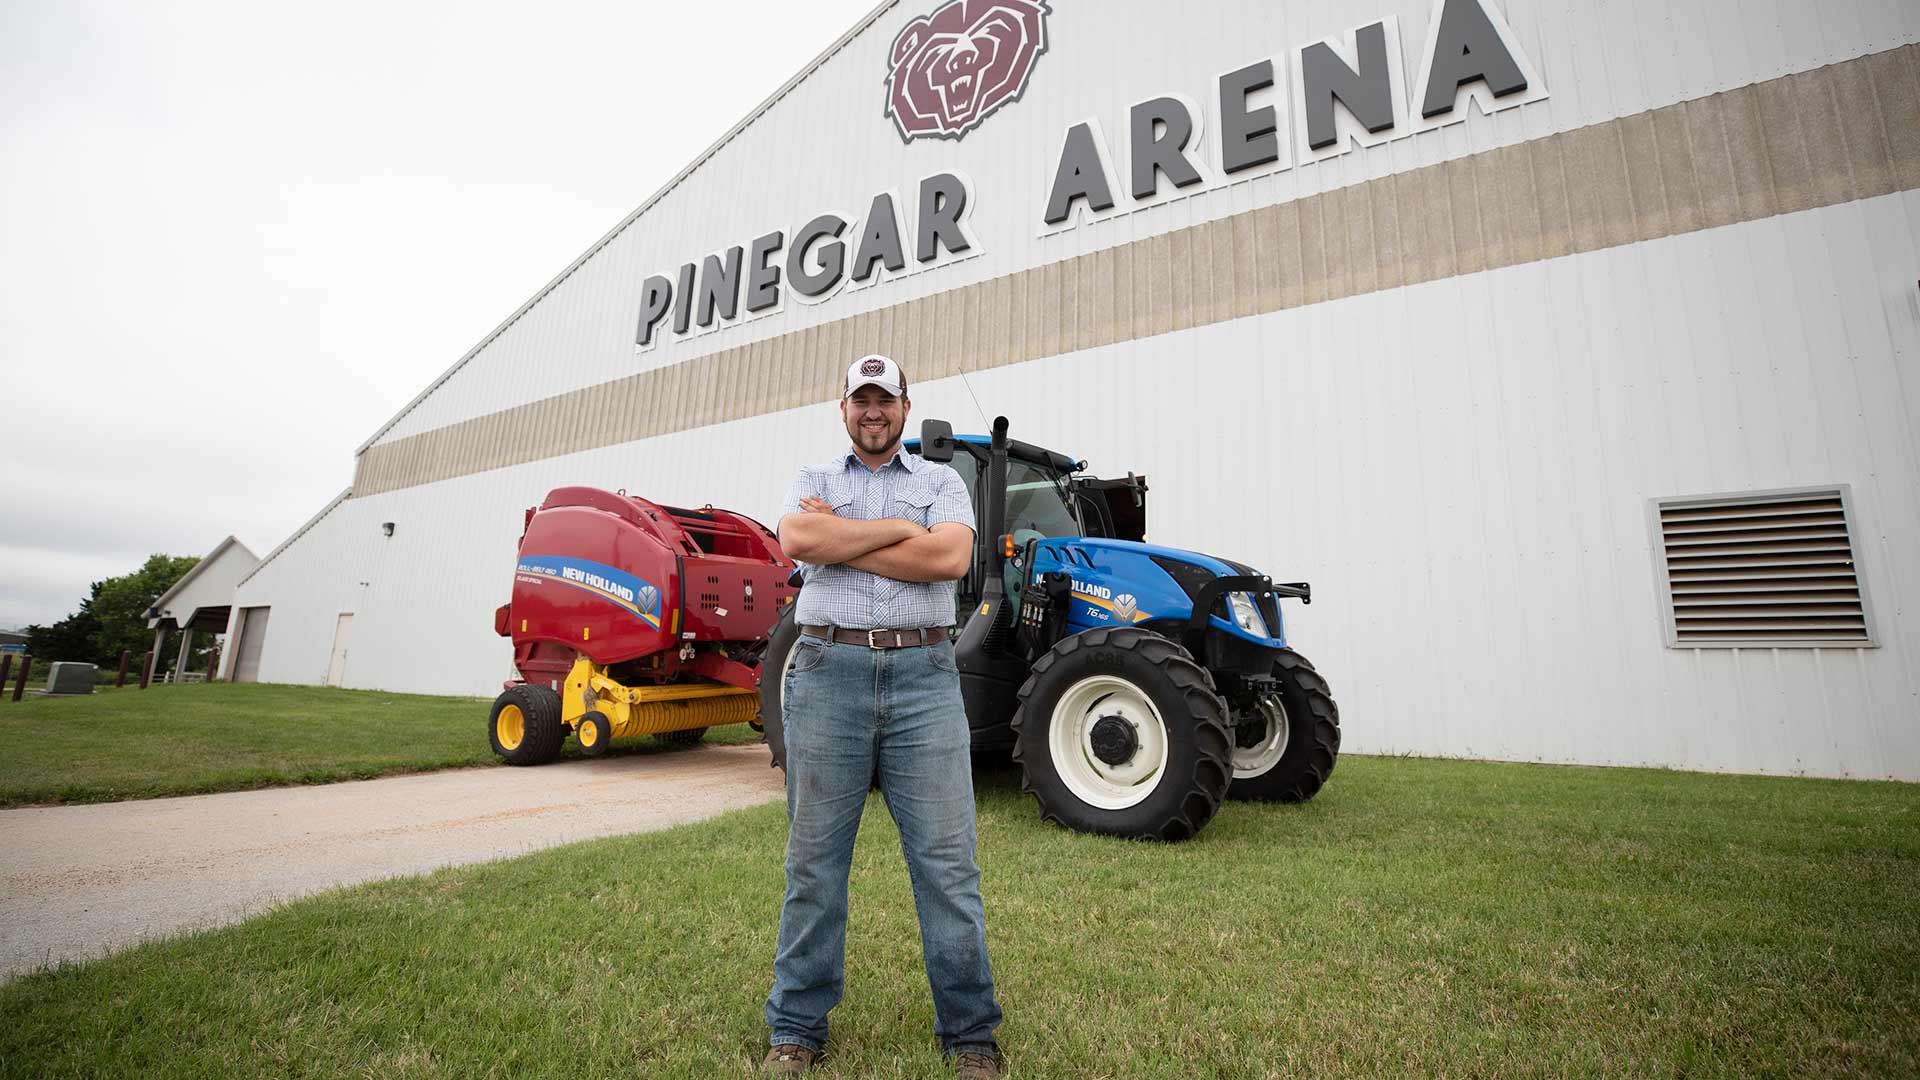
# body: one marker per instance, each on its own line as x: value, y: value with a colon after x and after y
x: 1212, y: 740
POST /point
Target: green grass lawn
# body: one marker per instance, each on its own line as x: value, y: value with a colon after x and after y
x: 193, y: 738
x: 1420, y: 918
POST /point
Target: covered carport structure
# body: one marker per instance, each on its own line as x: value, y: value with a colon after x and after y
x: 201, y: 600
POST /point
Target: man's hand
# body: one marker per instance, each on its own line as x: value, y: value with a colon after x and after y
x: 944, y: 553
x: 819, y: 536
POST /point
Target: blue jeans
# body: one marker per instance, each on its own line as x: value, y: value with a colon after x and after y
x: 849, y: 710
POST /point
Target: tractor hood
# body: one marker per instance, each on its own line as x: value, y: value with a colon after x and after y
x: 1124, y: 582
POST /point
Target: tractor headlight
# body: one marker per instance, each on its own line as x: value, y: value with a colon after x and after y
x: 1245, y: 614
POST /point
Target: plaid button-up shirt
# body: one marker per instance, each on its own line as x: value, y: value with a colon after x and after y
x: 908, y: 486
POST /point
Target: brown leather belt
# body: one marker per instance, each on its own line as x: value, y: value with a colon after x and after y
x: 880, y: 639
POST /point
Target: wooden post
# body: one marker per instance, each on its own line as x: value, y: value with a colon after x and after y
x: 6, y: 665
x: 125, y: 655
x: 213, y: 662
x: 20, y: 684
x: 146, y: 670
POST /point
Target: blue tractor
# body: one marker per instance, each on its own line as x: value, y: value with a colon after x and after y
x: 1136, y: 686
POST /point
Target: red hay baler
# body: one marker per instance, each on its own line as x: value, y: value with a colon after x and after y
x: 629, y: 617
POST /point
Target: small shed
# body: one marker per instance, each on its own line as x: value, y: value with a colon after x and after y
x: 201, y: 600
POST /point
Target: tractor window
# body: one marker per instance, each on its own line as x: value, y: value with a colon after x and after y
x: 968, y: 467
x: 1035, y: 500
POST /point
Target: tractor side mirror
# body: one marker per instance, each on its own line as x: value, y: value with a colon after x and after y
x: 936, y: 440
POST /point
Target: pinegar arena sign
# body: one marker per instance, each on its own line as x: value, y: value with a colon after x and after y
x: 954, y: 69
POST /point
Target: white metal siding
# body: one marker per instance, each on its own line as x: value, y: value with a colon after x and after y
x: 1460, y: 467
x: 825, y: 147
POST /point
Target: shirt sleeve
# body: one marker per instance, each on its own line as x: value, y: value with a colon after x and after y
x: 803, y: 485
x: 950, y: 500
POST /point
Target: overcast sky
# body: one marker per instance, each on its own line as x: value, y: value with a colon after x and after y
x: 236, y: 237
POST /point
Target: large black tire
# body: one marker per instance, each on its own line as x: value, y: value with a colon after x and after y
x: 689, y: 737
x: 1116, y: 672
x: 773, y: 671
x: 540, y: 731
x: 1305, y: 729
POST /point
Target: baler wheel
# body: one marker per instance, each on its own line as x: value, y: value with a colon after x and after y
x: 525, y: 727
x: 596, y: 734
x: 1120, y: 731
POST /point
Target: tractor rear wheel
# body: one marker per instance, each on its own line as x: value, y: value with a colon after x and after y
x: 773, y: 674
x: 525, y: 727
x: 1120, y: 732
x: 1286, y: 739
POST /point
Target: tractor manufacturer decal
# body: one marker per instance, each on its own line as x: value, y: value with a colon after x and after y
x: 1103, y: 605
x: 617, y: 587
x: 953, y: 68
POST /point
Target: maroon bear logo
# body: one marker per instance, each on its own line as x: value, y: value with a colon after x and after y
x: 952, y: 69
x: 872, y: 366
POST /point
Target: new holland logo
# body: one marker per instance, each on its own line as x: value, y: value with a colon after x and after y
x: 649, y: 598
x: 1125, y: 607
x: 953, y: 68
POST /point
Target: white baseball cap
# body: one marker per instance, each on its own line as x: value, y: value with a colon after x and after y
x: 875, y: 370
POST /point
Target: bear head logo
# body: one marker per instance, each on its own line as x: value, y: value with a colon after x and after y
x: 953, y: 68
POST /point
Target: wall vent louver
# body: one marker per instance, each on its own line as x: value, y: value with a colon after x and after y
x: 1767, y: 570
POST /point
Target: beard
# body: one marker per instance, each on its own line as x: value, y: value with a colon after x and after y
x: 876, y: 442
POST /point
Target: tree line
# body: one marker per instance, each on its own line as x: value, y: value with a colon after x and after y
x: 113, y: 617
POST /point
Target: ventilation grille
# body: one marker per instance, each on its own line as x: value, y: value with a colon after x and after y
x: 1762, y: 570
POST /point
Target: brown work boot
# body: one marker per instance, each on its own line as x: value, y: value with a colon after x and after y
x: 790, y: 1059
x: 976, y: 1065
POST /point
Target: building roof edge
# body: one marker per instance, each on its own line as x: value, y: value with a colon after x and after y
x: 733, y: 132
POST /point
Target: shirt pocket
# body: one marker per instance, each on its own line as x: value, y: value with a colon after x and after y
x: 839, y: 494
x: 914, y: 502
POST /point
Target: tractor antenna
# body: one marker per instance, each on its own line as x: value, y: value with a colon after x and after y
x: 976, y: 401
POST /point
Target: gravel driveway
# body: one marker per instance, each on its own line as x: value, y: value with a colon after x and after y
x: 79, y: 881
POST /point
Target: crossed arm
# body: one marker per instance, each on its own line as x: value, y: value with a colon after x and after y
x: 891, y: 547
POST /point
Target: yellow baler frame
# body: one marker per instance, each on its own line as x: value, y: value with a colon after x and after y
x: 651, y: 710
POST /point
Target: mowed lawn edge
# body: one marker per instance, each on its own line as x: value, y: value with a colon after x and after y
x: 1421, y: 917
x: 196, y: 739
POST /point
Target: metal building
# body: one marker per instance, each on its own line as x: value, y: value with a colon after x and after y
x: 1571, y: 349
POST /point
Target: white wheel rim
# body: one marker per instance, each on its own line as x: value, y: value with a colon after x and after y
x: 1261, y: 757
x: 1070, y: 740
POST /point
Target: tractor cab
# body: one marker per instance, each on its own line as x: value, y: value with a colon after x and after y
x: 1048, y: 496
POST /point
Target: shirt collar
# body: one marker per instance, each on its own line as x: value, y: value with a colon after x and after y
x: 909, y: 462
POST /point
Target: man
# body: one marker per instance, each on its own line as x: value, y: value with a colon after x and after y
x: 872, y: 693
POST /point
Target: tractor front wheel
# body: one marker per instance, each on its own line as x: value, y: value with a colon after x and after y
x: 1286, y: 737
x: 1120, y: 732
x: 525, y: 727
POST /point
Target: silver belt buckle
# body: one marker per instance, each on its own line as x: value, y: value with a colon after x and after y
x: 874, y: 644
